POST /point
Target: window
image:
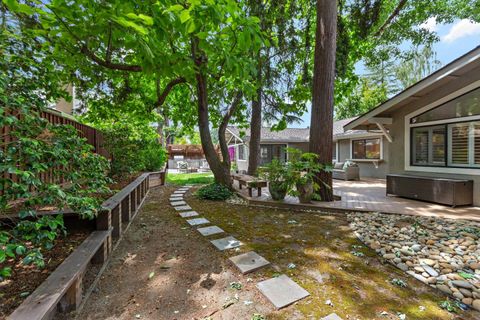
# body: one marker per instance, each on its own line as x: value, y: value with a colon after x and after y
x: 466, y: 105
x: 464, y: 144
x: 452, y: 145
x: 334, y: 151
x: 366, y: 149
x: 241, y: 152
x: 428, y: 145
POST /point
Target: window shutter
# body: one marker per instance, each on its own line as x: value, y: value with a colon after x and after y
x: 460, y: 144
x: 476, y: 135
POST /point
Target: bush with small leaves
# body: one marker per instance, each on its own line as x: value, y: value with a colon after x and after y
x: 214, y: 191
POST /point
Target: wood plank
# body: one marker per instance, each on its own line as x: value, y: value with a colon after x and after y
x: 113, y: 201
x: 42, y: 303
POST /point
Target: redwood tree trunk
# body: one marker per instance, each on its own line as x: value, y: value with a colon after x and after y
x: 321, y: 125
x: 255, y: 132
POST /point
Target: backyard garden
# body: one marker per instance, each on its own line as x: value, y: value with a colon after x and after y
x: 93, y: 225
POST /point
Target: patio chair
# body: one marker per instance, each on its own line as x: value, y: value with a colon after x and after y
x: 182, y: 166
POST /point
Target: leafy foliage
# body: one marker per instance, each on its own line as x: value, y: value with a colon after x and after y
x: 29, y: 81
x: 214, y: 191
x: 132, y: 147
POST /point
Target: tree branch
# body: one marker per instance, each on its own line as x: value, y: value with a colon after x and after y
x: 392, y: 16
x: 87, y: 52
x: 162, y: 95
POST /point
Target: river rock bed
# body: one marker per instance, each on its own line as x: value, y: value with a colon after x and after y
x: 442, y: 253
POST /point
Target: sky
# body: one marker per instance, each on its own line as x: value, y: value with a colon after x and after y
x: 456, y: 39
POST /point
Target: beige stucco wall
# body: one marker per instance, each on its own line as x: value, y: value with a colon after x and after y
x: 396, y: 164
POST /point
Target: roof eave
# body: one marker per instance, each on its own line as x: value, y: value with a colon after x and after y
x: 461, y: 62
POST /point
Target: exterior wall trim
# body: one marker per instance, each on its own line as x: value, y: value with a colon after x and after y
x: 408, y: 125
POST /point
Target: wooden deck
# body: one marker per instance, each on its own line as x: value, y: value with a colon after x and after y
x: 369, y: 195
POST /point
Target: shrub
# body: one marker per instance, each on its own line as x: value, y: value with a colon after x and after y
x: 214, y: 191
x: 133, y: 147
x: 153, y: 157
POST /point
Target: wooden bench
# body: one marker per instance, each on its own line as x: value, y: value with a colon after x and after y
x: 250, y: 182
x: 63, y: 288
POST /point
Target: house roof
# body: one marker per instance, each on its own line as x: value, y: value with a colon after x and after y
x: 295, y: 134
x: 440, y: 78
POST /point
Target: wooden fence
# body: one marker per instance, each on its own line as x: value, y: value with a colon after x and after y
x: 93, y: 136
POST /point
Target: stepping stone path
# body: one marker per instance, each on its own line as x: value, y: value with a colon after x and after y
x: 249, y: 262
x: 226, y: 243
x: 182, y: 208
x: 208, y: 231
x: 188, y: 214
x: 281, y: 291
x: 332, y: 316
x: 178, y: 203
x: 197, y: 221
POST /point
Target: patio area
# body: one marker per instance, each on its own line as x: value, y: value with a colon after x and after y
x: 369, y: 195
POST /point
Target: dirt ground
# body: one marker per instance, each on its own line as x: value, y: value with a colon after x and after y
x: 164, y: 269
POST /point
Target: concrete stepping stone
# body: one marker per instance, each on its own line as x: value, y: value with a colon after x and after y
x: 183, y: 189
x: 178, y: 203
x: 178, y: 192
x: 208, y: 231
x: 282, y: 291
x: 197, y: 221
x: 249, y: 262
x: 176, y: 199
x: 182, y: 208
x: 332, y: 316
x: 226, y: 243
x: 188, y: 214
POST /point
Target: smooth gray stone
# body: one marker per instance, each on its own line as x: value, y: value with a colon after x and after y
x: 176, y: 199
x: 183, y: 208
x: 179, y: 192
x: 183, y: 189
x: 332, y: 316
x: 178, y: 203
x: 226, y: 243
x: 208, y: 231
x: 249, y: 262
x: 282, y: 291
x: 188, y: 214
x: 197, y: 221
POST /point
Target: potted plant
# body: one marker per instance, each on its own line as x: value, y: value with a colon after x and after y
x: 304, y: 168
x: 278, y: 176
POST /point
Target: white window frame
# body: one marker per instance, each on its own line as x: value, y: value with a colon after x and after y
x: 336, y: 151
x: 245, y: 150
x: 408, y: 126
x: 430, y: 145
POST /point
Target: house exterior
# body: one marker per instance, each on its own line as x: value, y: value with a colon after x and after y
x: 367, y: 148
x: 434, y: 125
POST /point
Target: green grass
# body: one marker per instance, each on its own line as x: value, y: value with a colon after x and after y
x: 181, y: 179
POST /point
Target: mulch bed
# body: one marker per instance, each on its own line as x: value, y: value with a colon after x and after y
x: 25, y: 279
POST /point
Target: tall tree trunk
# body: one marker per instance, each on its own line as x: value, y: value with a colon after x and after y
x: 220, y: 172
x: 255, y: 126
x: 321, y: 124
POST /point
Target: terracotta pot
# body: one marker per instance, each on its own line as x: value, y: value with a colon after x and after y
x: 278, y: 191
x: 305, y: 192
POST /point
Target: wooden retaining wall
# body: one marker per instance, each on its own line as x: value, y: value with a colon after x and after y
x: 62, y: 290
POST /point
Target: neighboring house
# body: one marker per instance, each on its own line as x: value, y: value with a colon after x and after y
x: 364, y: 147
x: 434, y: 125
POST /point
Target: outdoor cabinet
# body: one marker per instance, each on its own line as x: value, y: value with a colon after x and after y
x: 453, y: 192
